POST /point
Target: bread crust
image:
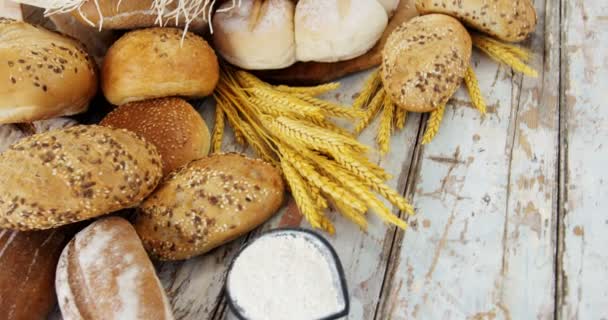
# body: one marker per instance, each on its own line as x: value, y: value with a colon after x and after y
x: 45, y: 74
x: 507, y: 20
x: 424, y: 61
x: 207, y: 203
x: 105, y: 273
x: 154, y: 63
x: 69, y: 175
x: 171, y: 124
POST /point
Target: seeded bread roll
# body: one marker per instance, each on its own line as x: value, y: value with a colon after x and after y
x: 171, y: 124
x: 207, y: 203
x: 154, y: 63
x: 129, y: 15
x: 105, y: 273
x: 424, y: 61
x: 43, y: 74
x: 27, y: 281
x: 507, y: 20
x: 74, y: 174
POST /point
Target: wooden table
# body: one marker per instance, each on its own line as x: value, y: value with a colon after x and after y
x: 511, y: 207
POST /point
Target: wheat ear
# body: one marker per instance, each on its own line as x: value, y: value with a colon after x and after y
x: 432, y: 125
x: 371, y: 111
x: 218, y: 129
x: 400, y: 117
x: 503, y: 55
x: 357, y: 217
x: 372, y: 83
x: 296, y: 105
x: 331, y: 109
x: 470, y: 80
x: 310, y: 91
x: 383, y: 138
x: 518, y: 51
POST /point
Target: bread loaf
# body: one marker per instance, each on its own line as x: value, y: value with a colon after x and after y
x: 257, y: 35
x: 27, y: 281
x: 44, y: 74
x: 171, y: 124
x: 154, y: 63
x: 207, y: 203
x: 336, y: 30
x: 74, y: 174
x: 104, y: 273
x: 508, y: 20
x: 424, y: 61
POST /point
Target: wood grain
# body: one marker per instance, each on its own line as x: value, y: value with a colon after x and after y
x: 582, y: 256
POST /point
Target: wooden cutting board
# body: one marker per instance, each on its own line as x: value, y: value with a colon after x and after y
x: 311, y: 73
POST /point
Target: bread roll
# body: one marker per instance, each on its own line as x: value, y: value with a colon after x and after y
x: 11, y: 133
x: 335, y: 30
x: 153, y: 63
x: 424, y: 61
x: 43, y: 74
x: 131, y: 14
x: 257, y: 35
x: 207, y: 203
x: 105, y: 273
x: 390, y: 6
x: 171, y: 124
x: 74, y: 174
x: 507, y: 20
x: 27, y: 281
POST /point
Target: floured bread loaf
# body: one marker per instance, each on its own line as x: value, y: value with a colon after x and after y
x: 257, y: 35
x: 335, y: 30
x: 104, y: 273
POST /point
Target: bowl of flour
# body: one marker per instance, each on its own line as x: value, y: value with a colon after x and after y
x: 287, y: 274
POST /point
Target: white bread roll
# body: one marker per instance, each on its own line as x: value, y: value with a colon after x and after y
x: 335, y: 30
x: 104, y: 273
x: 257, y: 35
x: 43, y: 74
x: 390, y: 6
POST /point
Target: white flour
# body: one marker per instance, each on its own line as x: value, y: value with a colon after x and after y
x: 281, y: 276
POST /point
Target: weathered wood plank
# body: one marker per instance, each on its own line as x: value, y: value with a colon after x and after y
x: 486, y: 196
x: 583, y: 259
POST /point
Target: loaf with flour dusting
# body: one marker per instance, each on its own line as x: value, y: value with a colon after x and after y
x: 105, y: 273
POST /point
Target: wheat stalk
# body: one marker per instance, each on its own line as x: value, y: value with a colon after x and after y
x: 310, y: 91
x: 218, y: 129
x: 383, y: 138
x: 432, y: 125
x: 470, y: 81
x: 499, y: 53
x: 371, y: 111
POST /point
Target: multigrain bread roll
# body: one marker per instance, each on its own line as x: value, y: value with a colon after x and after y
x: 44, y: 74
x: 207, y: 203
x: 27, y: 281
x: 105, y: 273
x: 171, y: 124
x: 424, y: 61
x: 154, y: 63
x: 508, y: 20
x: 257, y: 35
x: 130, y: 14
x: 11, y: 133
x: 74, y: 174
x: 335, y: 30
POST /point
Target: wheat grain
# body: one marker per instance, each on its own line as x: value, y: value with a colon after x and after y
x: 371, y: 111
x: 383, y: 138
x: 432, y: 125
x: 472, y: 85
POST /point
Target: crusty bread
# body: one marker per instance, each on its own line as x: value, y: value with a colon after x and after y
x: 27, y: 280
x: 257, y: 35
x: 11, y: 133
x: 153, y: 63
x: 171, y: 124
x: 73, y: 174
x: 45, y: 74
x: 207, y: 203
x: 105, y: 273
x: 508, y: 20
x: 336, y: 30
x: 130, y: 14
x: 424, y: 61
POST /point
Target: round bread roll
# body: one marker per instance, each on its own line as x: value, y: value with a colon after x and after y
x: 118, y: 14
x: 390, y: 6
x: 171, y: 124
x: 507, y: 20
x: 153, y: 63
x: 424, y: 61
x: 43, y: 74
x: 105, y: 273
x: 207, y: 203
x: 68, y: 175
x: 335, y: 30
x: 257, y: 35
